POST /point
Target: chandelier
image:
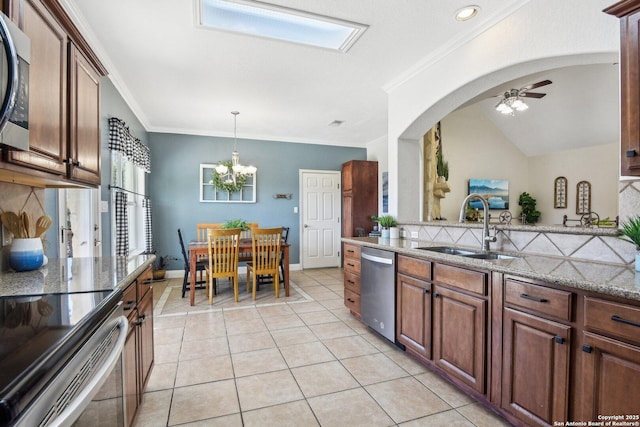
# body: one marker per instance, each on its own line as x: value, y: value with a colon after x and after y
x: 234, y: 174
x: 511, y: 102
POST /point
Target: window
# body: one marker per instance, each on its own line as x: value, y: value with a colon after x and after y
x: 128, y: 176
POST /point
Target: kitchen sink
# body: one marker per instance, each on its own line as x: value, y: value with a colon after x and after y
x: 468, y: 253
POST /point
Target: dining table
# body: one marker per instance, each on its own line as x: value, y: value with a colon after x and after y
x: 198, y: 249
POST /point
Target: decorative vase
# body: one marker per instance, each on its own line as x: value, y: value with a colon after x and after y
x: 26, y: 254
x: 385, y: 233
x: 394, y: 232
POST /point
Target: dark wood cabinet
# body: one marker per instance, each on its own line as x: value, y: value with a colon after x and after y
x: 414, y: 306
x: 359, y: 196
x: 64, y: 101
x: 138, y: 354
x: 535, y: 368
x: 629, y: 13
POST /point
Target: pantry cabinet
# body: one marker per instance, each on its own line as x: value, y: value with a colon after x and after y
x: 359, y: 196
x: 64, y: 100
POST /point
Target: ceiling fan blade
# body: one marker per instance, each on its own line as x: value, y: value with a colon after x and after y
x: 532, y: 95
x: 536, y: 85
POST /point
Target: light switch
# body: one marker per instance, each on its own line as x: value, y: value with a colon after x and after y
x: 295, y: 209
x: 104, y: 206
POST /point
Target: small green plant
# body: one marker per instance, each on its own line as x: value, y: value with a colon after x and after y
x: 442, y: 166
x: 385, y: 221
x: 529, y: 211
x: 236, y: 223
x: 630, y: 230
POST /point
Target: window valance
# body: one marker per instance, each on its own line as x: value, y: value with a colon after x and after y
x: 121, y: 139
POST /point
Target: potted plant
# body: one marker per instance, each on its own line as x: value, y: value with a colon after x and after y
x: 529, y: 213
x: 160, y: 266
x: 386, y: 222
x: 442, y: 168
x: 630, y: 230
x: 236, y: 223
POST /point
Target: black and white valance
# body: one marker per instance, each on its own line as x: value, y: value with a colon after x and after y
x: 121, y: 139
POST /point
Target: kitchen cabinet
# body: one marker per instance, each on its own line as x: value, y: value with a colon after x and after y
x: 536, y: 352
x: 460, y: 324
x: 610, y: 359
x: 413, y: 305
x: 352, y: 278
x: 64, y: 100
x: 138, y: 354
x: 359, y: 196
x: 629, y: 13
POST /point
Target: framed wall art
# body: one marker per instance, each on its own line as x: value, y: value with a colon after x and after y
x: 560, y: 193
x: 494, y: 191
x: 583, y: 197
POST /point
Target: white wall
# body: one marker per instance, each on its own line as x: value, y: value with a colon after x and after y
x: 377, y: 150
x: 476, y: 148
x: 542, y: 34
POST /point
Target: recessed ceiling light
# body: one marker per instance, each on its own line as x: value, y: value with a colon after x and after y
x: 336, y: 123
x: 467, y: 13
x: 281, y: 23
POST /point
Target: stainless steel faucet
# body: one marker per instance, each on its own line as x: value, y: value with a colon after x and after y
x: 486, y: 238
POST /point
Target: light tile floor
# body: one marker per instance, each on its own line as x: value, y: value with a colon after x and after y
x: 291, y: 363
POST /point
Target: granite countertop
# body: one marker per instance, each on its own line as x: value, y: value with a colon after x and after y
x: 87, y: 274
x: 610, y: 279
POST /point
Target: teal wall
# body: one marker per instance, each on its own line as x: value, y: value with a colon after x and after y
x: 175, y: 175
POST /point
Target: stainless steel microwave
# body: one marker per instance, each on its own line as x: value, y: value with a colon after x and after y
x: 15, y: 56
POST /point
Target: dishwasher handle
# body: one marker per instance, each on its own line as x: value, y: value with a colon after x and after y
x: 377, y: 259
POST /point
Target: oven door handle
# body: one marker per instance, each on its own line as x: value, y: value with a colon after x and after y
x: 75, y: 408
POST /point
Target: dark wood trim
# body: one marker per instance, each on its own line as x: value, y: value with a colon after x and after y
x: 623, y: 8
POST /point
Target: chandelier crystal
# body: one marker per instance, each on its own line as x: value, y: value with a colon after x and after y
x: 237, y: 171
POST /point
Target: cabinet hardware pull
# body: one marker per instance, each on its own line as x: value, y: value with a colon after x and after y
x: 351, y: 281
x: 625, y: 321
x: 350, y: 300
x: 351, y: 251
x: 436, y: 295
x: 426, y: 291
x: 586, y: 348
x: 559, y: 340
x: 536, y: 299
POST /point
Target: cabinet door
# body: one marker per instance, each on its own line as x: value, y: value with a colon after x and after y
x: 84, y: 119
x: 413, y: 322
x: 630, y: 95
x: 347, y: 216
x: 145, y: 321
x: 347, y: 176
x: 610, y: 374
x: 130, y: 372
x: 47, y: 91
x: 535, y: 376
x: 460, y: 336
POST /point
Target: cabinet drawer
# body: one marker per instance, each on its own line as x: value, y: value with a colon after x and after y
x: 418, y: 268
x: 612, y: 318
x: 352, y: 265
x: 129, y: 299
x: 469, y: 280
x: 352, y: 282
x: 351, y: 251
x: 546, y: 301
x: 352, y: 301
x: 144, y: 282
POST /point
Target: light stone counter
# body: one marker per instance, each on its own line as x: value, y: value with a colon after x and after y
x: 610, y: 279
x: 67, y: 275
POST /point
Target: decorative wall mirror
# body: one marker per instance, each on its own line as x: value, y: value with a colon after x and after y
x: 583, y: 197
x: 560, y: 193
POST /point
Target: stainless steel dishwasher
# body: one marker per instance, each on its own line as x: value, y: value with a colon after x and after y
x: 378, y: 291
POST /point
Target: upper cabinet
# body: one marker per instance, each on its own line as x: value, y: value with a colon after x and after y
x: 359, y: 196
x: 629, y: 13
x: 64, y: 98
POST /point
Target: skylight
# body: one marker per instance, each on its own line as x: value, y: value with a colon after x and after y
x: 280, y: 23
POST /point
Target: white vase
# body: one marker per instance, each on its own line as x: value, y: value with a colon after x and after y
x: 385, y: 233
x: 394, y: 232
x: 26, y: 254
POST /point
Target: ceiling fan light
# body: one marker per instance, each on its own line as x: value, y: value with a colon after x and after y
x: 506, y: 110
x: 501, y: 106
x: 521, y: 107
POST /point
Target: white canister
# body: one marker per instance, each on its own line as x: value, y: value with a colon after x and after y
x: 394, y: 232
x: 26, y: 254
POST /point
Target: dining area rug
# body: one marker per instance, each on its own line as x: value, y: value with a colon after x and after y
x: 168, y: 296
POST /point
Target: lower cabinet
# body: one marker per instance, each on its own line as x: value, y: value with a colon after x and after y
x: 535, y: 368
x: 138, y: 354
x: 413, y: 320
x: 459, y: 336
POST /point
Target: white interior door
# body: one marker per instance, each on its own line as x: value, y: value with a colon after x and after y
x: 320, y: 218
x: 79, y: 222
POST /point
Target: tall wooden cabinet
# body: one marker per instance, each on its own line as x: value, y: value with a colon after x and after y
x: 629, y: 13
x: 359, y: 196
x: 64, y: 98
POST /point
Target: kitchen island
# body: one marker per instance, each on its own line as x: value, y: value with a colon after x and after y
x: 539, y: 339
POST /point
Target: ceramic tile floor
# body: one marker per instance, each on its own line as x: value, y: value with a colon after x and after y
x: 300, y: 363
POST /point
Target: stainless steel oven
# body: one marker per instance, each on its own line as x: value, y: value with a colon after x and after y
x: 66, y: 366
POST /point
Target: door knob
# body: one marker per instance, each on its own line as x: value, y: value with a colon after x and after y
x: 305, y: 226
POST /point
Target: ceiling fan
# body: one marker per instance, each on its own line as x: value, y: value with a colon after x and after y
x: 511, y: 101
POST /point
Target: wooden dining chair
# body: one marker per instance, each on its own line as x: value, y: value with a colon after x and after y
x: 200, y: 266
x: 223, y: 258
x: 265, y: 243
x: 201, y: 236
x: 246, y: 234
